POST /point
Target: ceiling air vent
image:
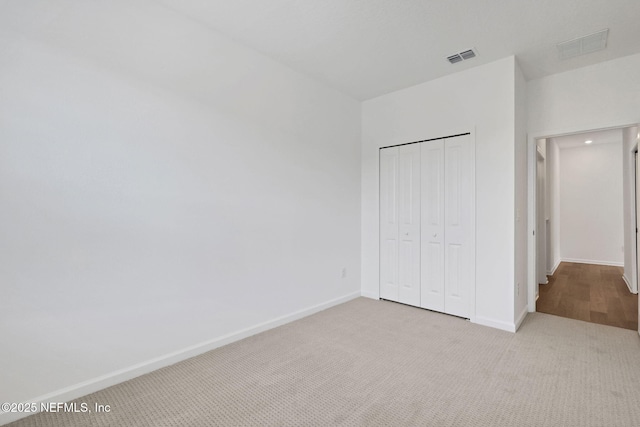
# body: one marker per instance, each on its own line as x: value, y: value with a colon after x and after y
x: 583, y: 45
x: 454, y: 58
x: 468, y: 54
x: 462, y: 56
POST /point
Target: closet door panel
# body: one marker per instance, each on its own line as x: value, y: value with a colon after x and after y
x: 389, y: 224
x: 409, y: 224
x: 432, y: 225
x: 459, y: 275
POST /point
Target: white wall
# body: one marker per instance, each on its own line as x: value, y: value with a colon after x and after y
x: 629, y: 145
x: 483, y: 99
x: 591, y: 216
x: 160, y: 187
x: 589, y: 98
x: 520, y: 141
x: 600, y: 96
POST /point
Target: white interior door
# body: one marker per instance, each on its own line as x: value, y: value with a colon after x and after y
x: 432, y: 225
x: 459, y: 230
x: 409, y: 227
x: 427, y: 234
x: 389, y: 223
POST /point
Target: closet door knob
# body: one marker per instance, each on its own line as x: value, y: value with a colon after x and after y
x: 435, y: 235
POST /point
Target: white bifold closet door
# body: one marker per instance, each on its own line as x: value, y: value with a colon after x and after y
x: 447, y: 219
x: 400, y: 224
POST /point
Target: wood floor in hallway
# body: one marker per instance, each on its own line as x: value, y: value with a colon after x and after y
x: 593, y: 293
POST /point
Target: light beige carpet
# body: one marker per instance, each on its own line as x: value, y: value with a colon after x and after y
x: 377, y: 363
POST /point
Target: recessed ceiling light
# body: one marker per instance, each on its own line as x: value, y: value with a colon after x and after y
x: 588, y: 141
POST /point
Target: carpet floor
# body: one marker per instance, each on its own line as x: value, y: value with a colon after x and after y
x: 377, y: 363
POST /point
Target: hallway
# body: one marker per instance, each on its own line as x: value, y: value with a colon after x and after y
x: 593, y: 293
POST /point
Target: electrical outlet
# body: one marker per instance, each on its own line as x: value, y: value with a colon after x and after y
x: 343, y: 273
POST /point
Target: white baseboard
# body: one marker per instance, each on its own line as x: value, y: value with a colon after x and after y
x: 521, y: 317
x: 95, y: 384
x: 498, y: 324
x: 555, y: 267
x: 369, y: 294
x: 628, y: 283
x: 591, y: 261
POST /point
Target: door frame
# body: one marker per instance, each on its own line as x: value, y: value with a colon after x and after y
x: 532, y: 158
x: 541, y: 235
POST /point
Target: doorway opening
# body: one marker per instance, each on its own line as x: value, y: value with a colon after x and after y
x: 583, y: 219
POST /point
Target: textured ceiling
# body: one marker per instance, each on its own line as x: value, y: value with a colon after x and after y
x: 370, y: 47
x: 365, y: 48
